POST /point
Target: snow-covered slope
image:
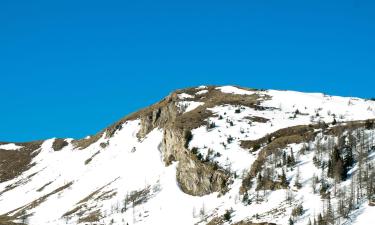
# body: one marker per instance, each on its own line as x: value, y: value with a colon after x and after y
x: 206, y: 155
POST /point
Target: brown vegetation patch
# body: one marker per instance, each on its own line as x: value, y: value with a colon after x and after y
x: 8, y: 220
x: 106, y: 195
x: 196, y: 118
x: 15, y: 162
x: 44, y: 186
x: 139, y: 197
x: 270, y: 185
x: 216, y: 221
x: 86, y: 142
x: 280, y: 139
x: 87, y: 161
x: 257, y: 119
x: 341, y: 127
x: 59, y: 144
x: 274, y: 142
x: 81, y: 206
x: 92, y: 217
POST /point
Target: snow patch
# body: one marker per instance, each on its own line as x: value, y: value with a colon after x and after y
x: 234, y: 90
x: 201, y: 92
x: 186, y: 106
x: 10, y: 146
x: 184, y: 96
x: 201, y: 87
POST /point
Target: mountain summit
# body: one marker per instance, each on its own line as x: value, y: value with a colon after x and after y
x: 206, y: 155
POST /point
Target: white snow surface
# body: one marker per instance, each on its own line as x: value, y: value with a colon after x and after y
x: 234, y: 90
x: 10, y: 146
x: 202, y: 92
x: 184, y: 96
x: 187, y: 106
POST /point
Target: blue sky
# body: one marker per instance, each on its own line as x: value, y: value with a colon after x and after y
x: 71, y: 68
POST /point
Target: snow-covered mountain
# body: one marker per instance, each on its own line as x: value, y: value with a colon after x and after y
x: 205, y: 155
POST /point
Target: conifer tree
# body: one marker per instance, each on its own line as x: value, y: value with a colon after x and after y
x: 284, y: 181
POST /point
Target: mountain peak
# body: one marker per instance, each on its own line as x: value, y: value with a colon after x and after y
x: 227, y: 154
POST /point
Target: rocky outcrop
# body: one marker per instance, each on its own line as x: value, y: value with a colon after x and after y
x: 194, y: 177
x: 160, y: 115
x: 197, y: 178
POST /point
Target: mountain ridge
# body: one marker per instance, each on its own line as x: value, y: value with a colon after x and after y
x: 221, y: 145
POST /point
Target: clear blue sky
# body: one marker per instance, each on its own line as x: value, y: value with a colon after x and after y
x: 70, y: 68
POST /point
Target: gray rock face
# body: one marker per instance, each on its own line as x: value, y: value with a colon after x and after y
x: 161, y: 115
x: 194, y: 177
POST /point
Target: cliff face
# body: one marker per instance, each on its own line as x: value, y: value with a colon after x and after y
x: 193, y: 176
x: 226, y: 155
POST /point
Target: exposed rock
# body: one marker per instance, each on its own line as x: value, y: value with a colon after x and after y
x: 59, y: 144
x: 197, y: 178
x: 194, y: 177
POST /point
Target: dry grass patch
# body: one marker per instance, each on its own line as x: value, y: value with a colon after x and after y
x: 86, y: 142
x: 91, y: 217
x: 59, y: 144
x: 44, y: 186
x: 274, y: 142
x: 87, y: 161
x: 6, y: 220
x: 13, y: 163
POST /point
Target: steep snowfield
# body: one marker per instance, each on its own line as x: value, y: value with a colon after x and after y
x: 125, y: 165
x: 98, y: 180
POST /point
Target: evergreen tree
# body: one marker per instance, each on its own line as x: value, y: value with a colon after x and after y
x: 284, y: 181
x: 245, y: 198
x: 340, y: 171
x: 336, y: 167
x: 291, y: 160
x: 228, y: 215
x: 330, y: 169
x: 348, y: 159
x: 284, y: 158
x: 260, y: 181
